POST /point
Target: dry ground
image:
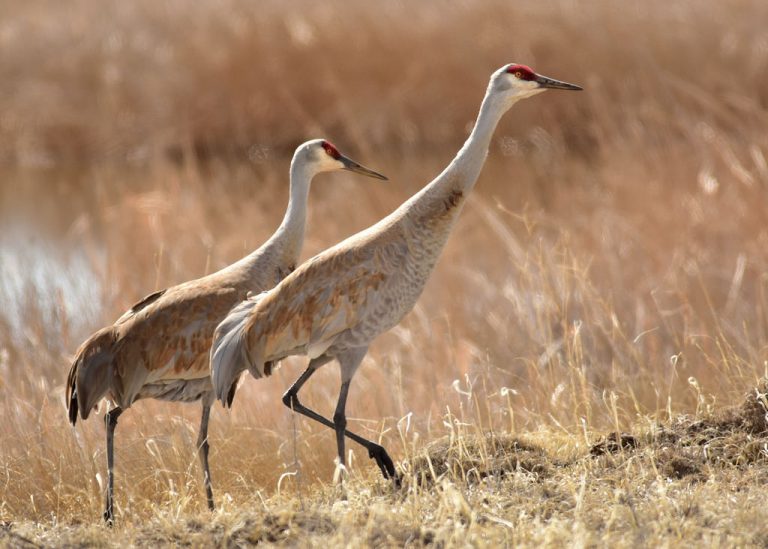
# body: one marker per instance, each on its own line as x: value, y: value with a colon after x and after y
x: 609, y: 274
x: 692, y: 481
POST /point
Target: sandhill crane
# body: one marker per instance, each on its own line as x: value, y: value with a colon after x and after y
x: 159, y: 348
x: 336, y: 303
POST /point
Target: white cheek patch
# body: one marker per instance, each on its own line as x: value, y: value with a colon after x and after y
x: 328, y: 164
x: 530, y: 88
x: 331, y: 164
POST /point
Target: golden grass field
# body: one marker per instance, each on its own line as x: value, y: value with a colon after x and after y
x: 585, y: 365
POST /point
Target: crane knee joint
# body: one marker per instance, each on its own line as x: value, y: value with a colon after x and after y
x: 291, y: 400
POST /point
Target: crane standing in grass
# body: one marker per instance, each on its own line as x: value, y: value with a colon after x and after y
x: 159, y: 348
x: 336, y: 303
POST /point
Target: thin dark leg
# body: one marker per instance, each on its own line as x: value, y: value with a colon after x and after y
x: 340, y: 421
x: 111, y: 422
x: 314, y: 364
x: 202, y: 450
x: 375, y: 451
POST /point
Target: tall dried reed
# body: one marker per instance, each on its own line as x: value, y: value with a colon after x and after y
x: 611, y: 265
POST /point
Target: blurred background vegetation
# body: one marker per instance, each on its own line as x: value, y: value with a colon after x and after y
x: 611, y: 266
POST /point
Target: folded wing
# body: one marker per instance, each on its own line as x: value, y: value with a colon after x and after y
x: 304, y: 314
x: 229, y: 354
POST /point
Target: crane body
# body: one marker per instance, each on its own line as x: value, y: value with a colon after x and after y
x: 336, y: 303
x: 159, y: 348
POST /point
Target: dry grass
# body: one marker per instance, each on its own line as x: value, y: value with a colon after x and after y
x: 681, y: 483
x: 608, y: 275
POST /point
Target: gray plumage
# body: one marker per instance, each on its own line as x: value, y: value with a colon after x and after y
x: 159, y: 348
x: 336, y: 303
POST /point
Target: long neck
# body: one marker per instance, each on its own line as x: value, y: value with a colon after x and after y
x: 424, y: 222
x: 443, y: 198
x: 289, y: 237
x: 462, y: 173
x: 282, y: 250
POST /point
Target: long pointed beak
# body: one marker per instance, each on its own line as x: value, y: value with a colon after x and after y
x: 545, y: 82
x: 353, y: 166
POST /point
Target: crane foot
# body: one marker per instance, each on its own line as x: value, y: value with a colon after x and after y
x: 109, y: 519
x: 385, y: 463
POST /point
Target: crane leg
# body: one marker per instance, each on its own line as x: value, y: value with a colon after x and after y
x: 111, y: 422
x: 202, y: 450
x: 375, y: 451
x: 340, y: 420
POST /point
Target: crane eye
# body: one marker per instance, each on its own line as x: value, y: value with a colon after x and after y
x: 331, y: 151
x: 519, y: 74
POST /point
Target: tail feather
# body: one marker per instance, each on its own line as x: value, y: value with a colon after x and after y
x: 89, y: 376
x: 72, y: 393
x: 229, y: 352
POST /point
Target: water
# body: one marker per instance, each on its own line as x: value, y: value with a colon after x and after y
x: 39, y: 273
x: 46, y: 278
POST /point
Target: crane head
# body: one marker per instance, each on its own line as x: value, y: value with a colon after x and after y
x: 519, y: 81
x: 323, y: 156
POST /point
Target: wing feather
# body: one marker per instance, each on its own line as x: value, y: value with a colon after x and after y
x: 326, y: 296
x: 229, y: 354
